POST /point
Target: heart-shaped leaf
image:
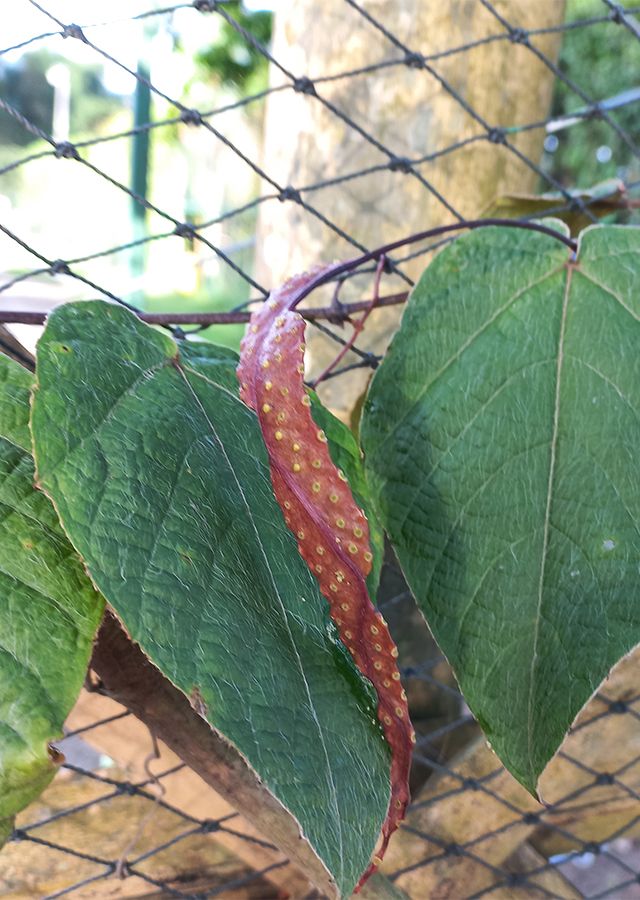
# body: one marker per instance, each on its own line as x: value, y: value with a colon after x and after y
x: 161, y: 479
x: 501, y: 437
x: 49, y: 612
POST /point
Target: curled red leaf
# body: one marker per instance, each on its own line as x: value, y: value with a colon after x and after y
x: 331, y: 530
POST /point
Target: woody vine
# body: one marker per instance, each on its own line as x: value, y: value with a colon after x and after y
x: 496, y: 446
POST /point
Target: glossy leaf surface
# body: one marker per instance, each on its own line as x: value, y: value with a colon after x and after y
x: 49, y: 612
x: 160, y: 477
x: 501, y: 438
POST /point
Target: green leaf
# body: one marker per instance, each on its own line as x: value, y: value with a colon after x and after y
x: 345, y: 454
x: 216, y: 362
x: 501, y: 435
x: 49, y: 612
x: 161, y: 479
x: 15, y: 389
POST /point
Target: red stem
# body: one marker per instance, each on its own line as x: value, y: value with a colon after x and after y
x: 351, y: 264
x: 357, y: 326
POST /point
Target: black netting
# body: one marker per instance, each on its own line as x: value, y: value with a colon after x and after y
x: 494, y: 842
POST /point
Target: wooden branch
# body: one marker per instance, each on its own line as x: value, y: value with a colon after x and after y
x: 128, y: 677
x: 331, y: 313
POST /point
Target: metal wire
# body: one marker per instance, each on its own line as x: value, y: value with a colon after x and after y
x: 430, y: 673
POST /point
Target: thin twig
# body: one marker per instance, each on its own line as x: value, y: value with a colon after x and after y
x: 357, y: 326
x: 19, y: 317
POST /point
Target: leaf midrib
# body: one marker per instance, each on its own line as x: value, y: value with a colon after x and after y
x: 545, y: 538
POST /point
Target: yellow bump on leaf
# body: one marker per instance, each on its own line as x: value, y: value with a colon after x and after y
x: 301, y: 348
x: 278, y: 435
x: 287, y: 505
x: 300, y: 371
x: 301, y: 535
x: 377, y: 665
x: 298, y: 317
x: 334, y: 588
x: 404, y: 695
x: 413, y: 737
x: 353, y: 548
x: 368, y: 557
x: 319, y: 550
x: 322, y: 436
x: 333, y: 498
x: 305, y: 399
x: 338, y: 621
x: 387, y: 720
x: 386, y: 683
x: 265, y: 364
x: 249, y: 350
x: 316, y: 464
x: 296, y: 467
x: 284, y: 391
x: 254, y: 328
x: 378, y: 647
x: 273, y: 305
x: 396, y: 676
x: 399, y: 712
x: 268, y: 385
x: 339, y: 576
x: 318, y: 569
x: 296, y: 447
x: 374, y: 630
x: 348, y: 635
x: 281, y: 417
x: 340, y: 522
x: 266, y: 408
x: 245, y: 385
x: 398, y: 802
x: 358, y: 532
x: 345, y: 607
x: 278, y: 357
x: 376, y: 861
x: 280, y: 321
x: 341, y: 475
x: 316, y: 486
x: 278, y: 338
x: 394, y: 652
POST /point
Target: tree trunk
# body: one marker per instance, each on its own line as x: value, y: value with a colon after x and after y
x: 409, y: 112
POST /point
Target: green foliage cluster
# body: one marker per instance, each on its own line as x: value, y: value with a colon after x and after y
x: 233, y: 61
x: 499, y: 436
x: 604, y: 60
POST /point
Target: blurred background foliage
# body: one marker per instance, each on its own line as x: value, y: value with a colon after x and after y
x: 211, y: 66
x: 233, y: 62
x: 604, y: 63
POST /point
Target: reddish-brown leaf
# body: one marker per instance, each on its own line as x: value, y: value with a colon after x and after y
x: 331, y: 530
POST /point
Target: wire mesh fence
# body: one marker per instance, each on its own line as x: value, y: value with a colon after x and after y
x: 471, y: 832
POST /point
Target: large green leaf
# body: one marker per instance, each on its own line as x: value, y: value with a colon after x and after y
x: 161, y: 479
x: 501, y: 438
x: 49, y: 612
